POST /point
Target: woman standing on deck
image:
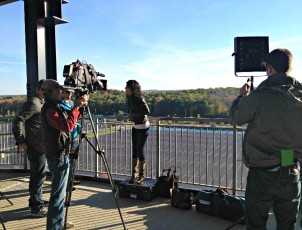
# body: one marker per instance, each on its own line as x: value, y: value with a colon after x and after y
x: 137, y: 110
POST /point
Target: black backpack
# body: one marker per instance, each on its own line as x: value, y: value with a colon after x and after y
x: 165, y: 182
x: 181, y: 198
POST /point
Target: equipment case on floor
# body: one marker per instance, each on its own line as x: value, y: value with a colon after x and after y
x: 221, y: 204
x: 145, y: 191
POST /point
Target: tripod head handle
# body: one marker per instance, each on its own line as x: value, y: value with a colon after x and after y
x: 251, y: 80
x: 83, y: 134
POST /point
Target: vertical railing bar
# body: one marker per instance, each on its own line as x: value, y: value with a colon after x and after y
x: 163, y: 147
x: 120, y: 150
x: 95, y: 143
x: 169, y: 146
x: 213, y: 157
x: 200, y: 153
x: 193, y: 156
x: 151, y: 150
x: 226, y: 158
x: 219, y: 160
x: 158, y: 168
x: 207, y: 155
x: 234, y: 159
x: 188, y: 155
x: 181, y: 153
x: 241, y: 181
x: 116, y: 151
x: 96, y: 156
x: 175, y: 134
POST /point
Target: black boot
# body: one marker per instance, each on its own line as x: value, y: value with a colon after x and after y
x: 134, y: 170
x: 142, y: 172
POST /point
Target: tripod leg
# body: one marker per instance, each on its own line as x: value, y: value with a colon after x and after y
x: 2, y: 195
x: 102, y: 154
x: 237, y: 222
x: 69, y: 189
x: 2, y: 223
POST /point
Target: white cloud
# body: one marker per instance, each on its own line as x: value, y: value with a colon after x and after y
x: 135, y: 39
x: 167, y: 67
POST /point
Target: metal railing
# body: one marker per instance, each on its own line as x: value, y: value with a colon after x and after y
x: 205, y: 152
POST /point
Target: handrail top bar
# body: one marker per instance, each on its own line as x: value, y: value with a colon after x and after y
x: 167, y: 118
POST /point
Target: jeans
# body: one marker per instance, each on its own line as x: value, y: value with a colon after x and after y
x: 279, y: 190
x: 38, y: 170
x: 59, y: 167
x: 139, y: 137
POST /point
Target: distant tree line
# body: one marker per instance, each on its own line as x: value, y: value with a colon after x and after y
x: 179, y: 103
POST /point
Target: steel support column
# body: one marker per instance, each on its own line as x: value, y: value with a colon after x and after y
x: 41, y: 17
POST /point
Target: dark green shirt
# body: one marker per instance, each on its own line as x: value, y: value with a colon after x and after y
x: 273, y: 113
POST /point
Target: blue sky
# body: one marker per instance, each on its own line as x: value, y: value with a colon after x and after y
x: 165, y: 45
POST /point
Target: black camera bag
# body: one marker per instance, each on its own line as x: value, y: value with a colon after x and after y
x: 165, y: 182
x: 181, y: 198
x: 221, y: 204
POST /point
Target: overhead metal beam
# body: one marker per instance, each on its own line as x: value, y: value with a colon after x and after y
x: 4, y: 2
x: 41, y: 17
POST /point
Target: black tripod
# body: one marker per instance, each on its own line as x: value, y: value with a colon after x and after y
x: 101, y: 152
x: 72, y: 157
x: 241, y: 220
x: 251, y: 79
x: 2, y: 223
x: 2, y: 195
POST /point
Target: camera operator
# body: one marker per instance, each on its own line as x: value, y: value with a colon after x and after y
x: 272, y: 145
x: 138, y: 110
x: 57, y: 125
x: 27, y: 131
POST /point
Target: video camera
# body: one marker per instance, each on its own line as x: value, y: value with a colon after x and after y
x: 83, y: 78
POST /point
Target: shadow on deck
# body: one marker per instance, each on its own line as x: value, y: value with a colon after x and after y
x: 93, y: 207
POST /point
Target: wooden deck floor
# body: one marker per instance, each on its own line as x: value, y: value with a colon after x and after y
x: 93, y: 207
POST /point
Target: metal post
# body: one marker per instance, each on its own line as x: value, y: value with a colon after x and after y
x: 158, y: 170
x: 41, y: 17
x: 96, y: 158
x: 34, y: 45
x: 234, y: 159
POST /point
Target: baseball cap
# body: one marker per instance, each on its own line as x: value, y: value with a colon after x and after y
x: 50, y: 84
x: 67, y: 88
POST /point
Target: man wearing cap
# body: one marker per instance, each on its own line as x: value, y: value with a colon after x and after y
x: 28, y: 134
x: 57, y: 125
x: 272, y: 145
x: 67, y: 102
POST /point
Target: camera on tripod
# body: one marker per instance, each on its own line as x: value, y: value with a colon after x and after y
x: 83, y: 78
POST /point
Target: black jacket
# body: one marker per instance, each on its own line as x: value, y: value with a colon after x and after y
x: 27, y: 125
x: 139, y: 110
